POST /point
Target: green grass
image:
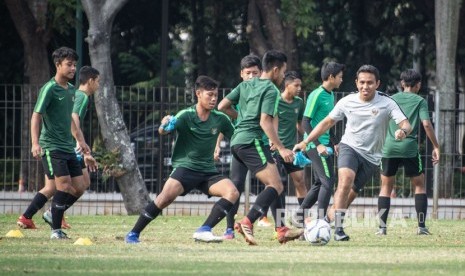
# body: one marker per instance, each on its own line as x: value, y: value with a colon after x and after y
x: 167, y: 248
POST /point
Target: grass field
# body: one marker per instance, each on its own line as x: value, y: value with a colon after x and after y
x: 167, y: 248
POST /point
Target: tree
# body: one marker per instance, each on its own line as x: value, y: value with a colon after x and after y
x: 101, y: 15
x: 447, y: 19
x: 30, y: 21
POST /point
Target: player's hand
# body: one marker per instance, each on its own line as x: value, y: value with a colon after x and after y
x: 300, y: 146
x: 286, y: 154
x: 216, y: 154
x: 165, y: 120
x: 83, y: 148
x: 322, y: 151
x: 90, y: 162
x: 400, y: 134
x: 36, y: 151
x: 435, y: 156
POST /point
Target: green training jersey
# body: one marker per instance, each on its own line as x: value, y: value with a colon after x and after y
x: 289, y: 114
x: 55, y: 104
x: 255, y: 97
x: 81, y: 103
x: 319, y: 103
x: 416, y: 110
x: 196, y: 140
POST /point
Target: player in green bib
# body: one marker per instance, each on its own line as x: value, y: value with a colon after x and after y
x: 405, y: 152
x: 319, y: 104
x: 197, y: 130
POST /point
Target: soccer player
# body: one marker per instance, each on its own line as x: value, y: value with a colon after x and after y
x: 290, y: 113
x: 56, y: 144
x: 405, y: 152
x: 258, y: 100
x: 368, y: 113
x: 319, y: 103
x: 88, y: 85
x: 251, y: 67
x: 197, y: 130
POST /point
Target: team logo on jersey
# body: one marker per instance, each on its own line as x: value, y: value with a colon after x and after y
x: 375, y: 111
x: 214, y: 131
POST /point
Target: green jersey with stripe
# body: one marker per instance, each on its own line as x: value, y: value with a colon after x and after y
x: 81, y: 103
x: 289, y: 114
x: 416, y: 110
x: 255, y: 97
x: 196, y: 139
x: 55, y: 104
x: 319, y: 103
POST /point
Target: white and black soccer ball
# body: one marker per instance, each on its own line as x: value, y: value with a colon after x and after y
x: 318, y: 232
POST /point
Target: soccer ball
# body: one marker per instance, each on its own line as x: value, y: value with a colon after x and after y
x: 318, y: 232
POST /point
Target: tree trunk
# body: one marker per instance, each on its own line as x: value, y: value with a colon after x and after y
x: 266, y: 30
x: 29, y: 21
x: 114, y: 132
x: 446, y: 20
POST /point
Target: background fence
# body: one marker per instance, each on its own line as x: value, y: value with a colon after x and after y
x: 142, y: 109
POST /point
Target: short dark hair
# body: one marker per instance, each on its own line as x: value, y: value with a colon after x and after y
x: 290, y: 76
x: 272, y: 59
x: 63, y: 53
x: 367, y: 68
x: 251, y: 61
x: 410, y: 77
x: 86, y: 73
x: 206, y: 83
x: 331, y: 69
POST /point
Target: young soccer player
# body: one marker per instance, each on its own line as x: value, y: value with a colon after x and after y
x: 406, y: 153
x: 197, y: 130
x: 319, y: 103
x: 258, y: 100
x: 368, y: 113
x: 56, y: 144
x: 88, y: 85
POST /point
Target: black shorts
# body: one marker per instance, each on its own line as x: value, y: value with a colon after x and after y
x: 412, y: 166
x: 364, y: 169
x: 255, y: 156
x: 58, y: 163
x: 288, y: 167
x: 83, y: 164
x: 191, y: 180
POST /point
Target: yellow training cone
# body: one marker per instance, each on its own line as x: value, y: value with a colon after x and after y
x: 14, y: 234
x: 83, y: 241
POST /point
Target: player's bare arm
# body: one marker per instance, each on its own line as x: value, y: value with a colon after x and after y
x: 321, y: 128
x: 226, y: 106
x: 432, y: 137
x: 36, y: 120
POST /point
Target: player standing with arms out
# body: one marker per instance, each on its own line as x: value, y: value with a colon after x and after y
x: 406, y: 153
x: 368, y: 113
x: 197, y: 130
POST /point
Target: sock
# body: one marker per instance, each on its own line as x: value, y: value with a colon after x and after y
x: 218, y: 212
x: 277, y: 208
x: 71, y: 200
x: 265, y: 212
x: 150, y: 213
x: 37, y: 203
x: 384, y: 204
x: 300, y: 200
x: 421, y: 206
x: 58, y: 208
x: 232, y: 213
x: 339, y: 219
x: 264, y: 199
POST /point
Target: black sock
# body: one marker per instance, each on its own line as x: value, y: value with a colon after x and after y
x: 232, y: 213
x: 339, y: 219
x: 150, y: 213
x: 218, y: 212
x: 277, y: 208
x: 264, y: 199
x: 384, y: 204
x: 265, y: 212
x: 58, y: 208
x: 311, y: 197
x: 421, y: 206
x: 300, y: 200
x: 37, y: 202
x: 71, y: 200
